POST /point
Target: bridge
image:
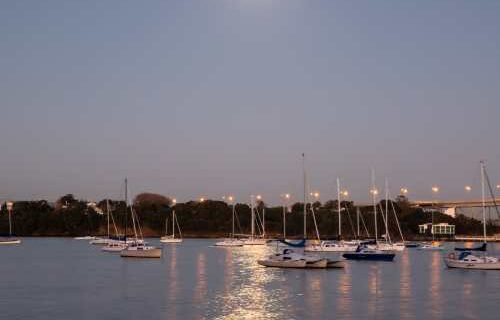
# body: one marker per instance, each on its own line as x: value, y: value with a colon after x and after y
x: 469, y: 208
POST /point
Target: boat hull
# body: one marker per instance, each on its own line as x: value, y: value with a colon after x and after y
x: 335, y: 264
x: 113, y: 248
x: 150, y: 253
x: 229, y: 243
x: 254, y: 242
x: 453, y: 263
x: 10, y: 241
x: 369, y: 256
x: 282, y: 263
x: 319, y: 248
x: 170, y: 240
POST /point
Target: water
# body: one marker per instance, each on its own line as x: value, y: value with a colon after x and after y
x: 48, y: 278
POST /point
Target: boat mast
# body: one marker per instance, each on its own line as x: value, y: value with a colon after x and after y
x: 253, y: 216
x: 374, y: 195
x: 232, y: 235
x: 126, y: 209
x: 357, y: 219
x: 305, y: 193
x: 338, y: 206
x: 387, y: 238
x: 173, y: 223
x: 483, y: 201
x: 107, y: 211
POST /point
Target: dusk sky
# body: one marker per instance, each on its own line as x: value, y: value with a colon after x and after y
x: 206, y: 98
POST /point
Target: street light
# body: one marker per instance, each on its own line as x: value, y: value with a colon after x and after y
x: 435, y: 189
x: 404, y: 191
x: 174, y: 201
x: 202, y: 199
x: 345, y: 193
x: 374, y: 192
x: 468, y: 188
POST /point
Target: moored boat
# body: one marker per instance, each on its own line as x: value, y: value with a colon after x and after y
x: 364, y: 253
x: 466, y: 259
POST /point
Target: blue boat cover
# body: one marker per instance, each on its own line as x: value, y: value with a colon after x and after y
x: 300, y: 244
x: 480, y: 248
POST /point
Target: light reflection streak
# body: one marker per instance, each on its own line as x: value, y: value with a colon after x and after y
x: 200, y: 291
x: 373, y: 288
x: 405, y: 297
x: 435, y: 285
x: 247, y: 296
x: 173, y: 287
x: 344, y: 293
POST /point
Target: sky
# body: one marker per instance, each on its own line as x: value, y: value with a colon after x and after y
x: 208, y: 98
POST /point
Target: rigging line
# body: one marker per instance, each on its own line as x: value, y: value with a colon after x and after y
x: 315, y: 224
x: 387, y: 235
x: 178, y: 227
x: 397, y: 221
x: 350, y: 221
x: 364, y: 224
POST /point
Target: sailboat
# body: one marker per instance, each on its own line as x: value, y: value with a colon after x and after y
x: 171, y: 238
x: 365, y: 253
x: 116, y: 243
x: 288, y: 258
x: 232, y: 241
x: 253, y: 240
x: 10, y: 239
x: 137, y: 248
x: 434, y: 245
x: 388, y: 245
x: 466, y: 259
x: 334, y: 246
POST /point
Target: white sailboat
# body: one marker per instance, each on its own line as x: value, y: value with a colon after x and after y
x: 253, y: 240
x: 288, y: 258
x: 231, y: 241
x: 334, y: 246
x: 137, y: 249
x: 10, y: 239
x: 466, y: 259
x: 388, y: 245
x: 113, y: 244
x: 171, y: 238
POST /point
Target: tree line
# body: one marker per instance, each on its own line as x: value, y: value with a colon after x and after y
x: 73, y: 217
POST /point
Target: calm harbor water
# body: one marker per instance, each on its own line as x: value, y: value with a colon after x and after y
x: 53, y: 278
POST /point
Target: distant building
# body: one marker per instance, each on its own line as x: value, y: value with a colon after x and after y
x: 437, y: 229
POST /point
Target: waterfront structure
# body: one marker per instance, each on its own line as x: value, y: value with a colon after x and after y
x: 437, y: 229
